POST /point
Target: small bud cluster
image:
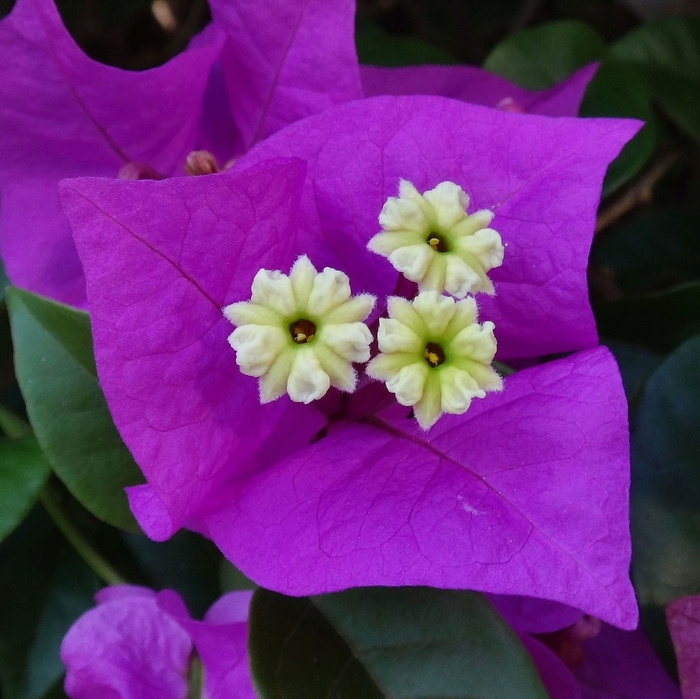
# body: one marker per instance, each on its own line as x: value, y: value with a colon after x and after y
x: 301, y: 333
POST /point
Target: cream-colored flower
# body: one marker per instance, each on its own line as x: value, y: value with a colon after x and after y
x: 434, y: 355
x: 431, y: 240
x: 300, y: 333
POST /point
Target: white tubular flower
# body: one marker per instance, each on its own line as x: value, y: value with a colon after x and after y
x: 432, y: 241
x: 299, y: 334
x: 434, y: 355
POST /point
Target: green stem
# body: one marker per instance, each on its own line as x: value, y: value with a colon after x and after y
x: 13, y: 426
x: 75, y: 537
x: 503, y: 369
x: 195, y: 678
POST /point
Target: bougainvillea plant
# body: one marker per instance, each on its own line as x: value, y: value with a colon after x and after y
x: 349, y: 491
x: 65, y: 115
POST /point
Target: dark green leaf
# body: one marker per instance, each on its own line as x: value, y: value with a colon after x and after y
x: 28, y: 559
x: 296, y: 654
x: 387, y: 642
x: 3, y: 280
x: 23, y: 471
x: 73, y: 586
x: 636, y: 366
x: 666, y: 480
x: 652, y: 619
x: 543, y: 56
x: 653, y: 252
x: 56, y: 372
x: 13, y: 426
x: 376, y: 47
x: 619, y: 90
x: 186, y: 562
x: 659, y: 321
x: 230, y: 578
x: 668, y: 53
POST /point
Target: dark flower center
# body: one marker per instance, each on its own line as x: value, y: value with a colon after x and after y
x: 302, y: 331
x: 433, y: 355
x: 437, y: 243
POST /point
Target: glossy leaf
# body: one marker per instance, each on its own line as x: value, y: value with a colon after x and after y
x: 668, y: 53
x: 56, y: 372
x: 540, y: 57
x: 666, y: 480
x: 73, y: 585
x: 636, y: 365
x: 28, y: 558
x: 659, y: 321
x: 387, y: 642
x: 3, y: 280
x: 377, y: 48
x: 23, y: 471
x: 296, y: 653
x: 644, y: 261
x: 618, y: 89
x: 187, y: 563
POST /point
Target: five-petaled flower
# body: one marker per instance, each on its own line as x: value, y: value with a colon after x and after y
x: 434, y: 356
x: 300, y: 333
x: 433, y: 241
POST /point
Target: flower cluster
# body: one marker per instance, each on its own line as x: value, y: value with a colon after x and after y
x: 300, y: 333
x: 345, y: 491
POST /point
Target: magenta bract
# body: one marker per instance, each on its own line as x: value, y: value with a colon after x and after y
x: 62, y: 115
x: 525, y: 494
x: 478, y: 86
x: 683, y: 616
x: 139, y: 644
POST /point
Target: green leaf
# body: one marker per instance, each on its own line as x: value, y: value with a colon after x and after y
x: 636, y: 365
x: 668, y: 53
x: 23, y: 471
x: 295, y: 653
x: 56, y: 372
x: 652, y: 252
x: 186, y: 562
x: 540, y: 57
x: 659, y: 321
x: 619, y: 90
x: 386, y: 642
x: 231, y: 579
x: 28, y: 559
x: 3, y: 280
x: 44, y: 587
x: 376, y: 47
x: 666, y: 480
x: 73, y: 586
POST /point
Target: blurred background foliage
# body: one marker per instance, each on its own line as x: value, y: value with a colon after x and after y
x: 644, y: 279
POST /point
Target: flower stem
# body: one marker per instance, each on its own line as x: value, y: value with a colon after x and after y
x: 13, y: 426
x: 75, y: 537
x: 195, y: 678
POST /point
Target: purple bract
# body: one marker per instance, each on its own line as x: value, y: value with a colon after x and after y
x: 527, y: 493
x: 65, y: 115
x: 142, y: 644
